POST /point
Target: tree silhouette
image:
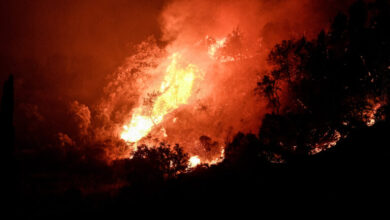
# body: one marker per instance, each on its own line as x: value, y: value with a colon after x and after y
x: 6, y: 115
x: 8, y: 165
x: 270, y: 89
x: 163, y: 159
x: 334, y: 83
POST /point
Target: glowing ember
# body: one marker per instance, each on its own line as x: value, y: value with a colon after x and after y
x: 370, y: 116
x: 218, y: 159
x: 174, y: 91
x: 215, y: 46
x: 326, y: 144
x: 194, y: 161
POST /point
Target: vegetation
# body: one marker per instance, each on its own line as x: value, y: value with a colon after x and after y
x: 322, y: 92
x: 332, y: 84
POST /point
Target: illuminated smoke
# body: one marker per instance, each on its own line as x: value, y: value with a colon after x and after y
x: 201, y: 82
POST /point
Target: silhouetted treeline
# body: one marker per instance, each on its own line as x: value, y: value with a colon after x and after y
x: 6, y: 115
x: 331, y: 84
x: 319, y: 150
x: 8, y: 165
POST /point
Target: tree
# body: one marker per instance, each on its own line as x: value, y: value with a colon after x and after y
x: 334, y: 83
x: 162, y: 160
x: 270, y: 89
x: 244, y: 150
x: 7, y: 144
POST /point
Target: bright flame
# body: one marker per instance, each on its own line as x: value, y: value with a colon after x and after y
x: 212, y: 50
x: 371, y: 115
x: 194, y: 161
x: 138, y: 128
x: 175, y: 90
x: 218, y: 159
x: 215, y: 46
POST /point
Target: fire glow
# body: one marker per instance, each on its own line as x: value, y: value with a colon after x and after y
x: 194, y: 161
x: 174, y: 91
x: 184, y: 87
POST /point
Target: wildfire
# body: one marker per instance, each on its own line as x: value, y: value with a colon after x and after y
x: 213, y: 48
x: 138, y: 128
x: 370, y: 115
x: 174, y: 91
x: 194, y: 161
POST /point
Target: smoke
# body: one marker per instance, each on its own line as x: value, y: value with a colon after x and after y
x: 226, y: 103
x: 62, y: 51
x: 229, y: 42
x: 272, y: 20
x: 71, y: 52
x: 81, y: 117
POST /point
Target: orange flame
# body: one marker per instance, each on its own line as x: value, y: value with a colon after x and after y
x: 213, y: 48
x: 194, y: 161
x: 174, y: 91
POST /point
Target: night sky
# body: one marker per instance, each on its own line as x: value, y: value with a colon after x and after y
x: 284, y: 103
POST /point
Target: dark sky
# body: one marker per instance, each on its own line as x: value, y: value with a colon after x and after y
x: 88, y: 38
x: 63, y: 50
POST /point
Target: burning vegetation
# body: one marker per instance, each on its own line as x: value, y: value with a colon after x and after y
x: 181, y: 87
x: 184, y: 90
x: 215, y: 100
x: 175, y: 90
